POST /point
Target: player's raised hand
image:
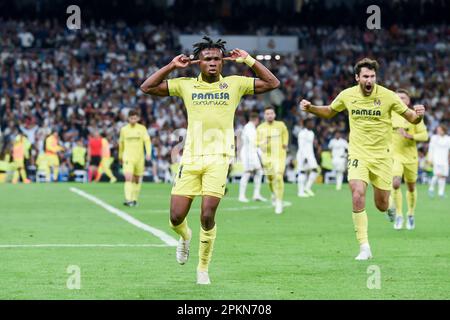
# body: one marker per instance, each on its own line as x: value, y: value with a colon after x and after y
x: 182, y: 61
x: 305, y: 105
x: 419, y: 109
x: 237, y: 55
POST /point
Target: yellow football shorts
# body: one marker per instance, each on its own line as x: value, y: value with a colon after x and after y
x: 273, y: 166
x: 407, y: 170
x: 376, y: 171
x: 202, y: 175
x: 52, y: 160
x: 134, y: 167
x: 19, y: 164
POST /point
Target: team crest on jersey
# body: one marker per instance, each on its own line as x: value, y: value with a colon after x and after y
x: 223, y: 86
x: 377, y: 103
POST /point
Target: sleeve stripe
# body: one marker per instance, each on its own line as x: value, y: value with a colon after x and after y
x: 168, y: 90
x: 254, y: 85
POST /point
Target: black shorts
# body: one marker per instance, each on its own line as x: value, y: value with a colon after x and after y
x: 95, y: 161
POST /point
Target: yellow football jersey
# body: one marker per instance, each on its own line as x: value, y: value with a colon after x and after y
x: 270, y: 139
x: 210, y: 111
x: 405, y: 150
x: 132, y: 141
x: 370, y: 120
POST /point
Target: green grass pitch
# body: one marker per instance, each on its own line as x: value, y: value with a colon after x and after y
x: 305, y: 253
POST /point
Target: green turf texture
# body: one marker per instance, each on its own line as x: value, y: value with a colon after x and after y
x: 305, y: 253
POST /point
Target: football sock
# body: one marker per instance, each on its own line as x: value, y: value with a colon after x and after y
x: 257, y: 179
x: 339, y: 179
x: 278, y: 186
x: 243, y: 184
x: 432, y: 183
x: 301, y: 182
x: 181, y: 229
x: 411, y: 199
x: 361, y: 223
x: 15, y: 177
x: 398, y: 200
x: 441, y: 186
x: 311, y: 179
x: 128, y: 191
x: 136, y: 190
x: 23, y: 174
x: 206, y: 247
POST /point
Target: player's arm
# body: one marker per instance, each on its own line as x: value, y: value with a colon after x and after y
x: 321, y: 111
x: 156, y: 85
x: 121, y: 145
x: 421, y: 134
x: 148, y: 146
x: 285, y: 137
x: 266, y: 80
x: 416, y: 115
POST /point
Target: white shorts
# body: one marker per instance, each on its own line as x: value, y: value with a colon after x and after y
x: 250, y: 162
x: 339, y: 164
x: 306, y: 162
x: 440, y: 169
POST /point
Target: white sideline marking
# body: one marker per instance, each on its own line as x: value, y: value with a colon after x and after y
x: 80, y: 245
x: 125, y: 216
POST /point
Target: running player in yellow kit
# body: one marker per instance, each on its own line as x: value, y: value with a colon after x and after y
x: 370, y: 107
x: 211, y: 101
x: 272, y: 141
x: 52, y: 148
x: 132, y: 141
x: 406, y: 163
x: 106, y: 162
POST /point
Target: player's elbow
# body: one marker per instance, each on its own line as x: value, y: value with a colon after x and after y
x: 144, y: 88
x: 275, y: 84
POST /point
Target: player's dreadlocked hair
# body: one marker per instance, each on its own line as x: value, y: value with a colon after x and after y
x: 208, y: 44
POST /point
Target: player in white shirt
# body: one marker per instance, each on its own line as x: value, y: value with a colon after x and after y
x: 438, y: 152
x: 250, y: 160
x: 338, y: 147
x: 306, y: 161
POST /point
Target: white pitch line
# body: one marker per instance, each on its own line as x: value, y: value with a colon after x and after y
x: 89, y: 245
x: 125, y: 216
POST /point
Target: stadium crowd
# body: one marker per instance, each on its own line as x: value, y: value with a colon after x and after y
x: 77, y: 83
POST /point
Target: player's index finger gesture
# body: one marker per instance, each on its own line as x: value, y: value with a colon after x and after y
x: 237, y: 55
x: 182, y: 61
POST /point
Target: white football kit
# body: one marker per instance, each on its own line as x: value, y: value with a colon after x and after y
x: 438, y: 154
x: 338, y: 149
x: 306, y: 159
x: 249, y: 150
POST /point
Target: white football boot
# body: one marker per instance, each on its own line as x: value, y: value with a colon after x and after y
x: 183, y: 249
x: 203, y: 277
x: 398, y: 225
x: 364, y: 252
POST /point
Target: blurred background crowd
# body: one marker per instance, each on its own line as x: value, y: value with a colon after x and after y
x: 79, y: 85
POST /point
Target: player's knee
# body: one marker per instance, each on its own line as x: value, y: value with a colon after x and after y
x: 382, y: 204
x: 207, y: 219
x: 358, y: 198
x: 396, y: 183
x: 411, y: 187
x: 175, y: 218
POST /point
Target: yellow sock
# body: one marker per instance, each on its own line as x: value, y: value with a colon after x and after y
x: 398, y: 199
x: 109, y: 173
x: 2, y: 177
x: 128, y: 191
x: 278, y: 186
x: 136, y: 191
x: 361, y: 224
x: 15, y: 177
x: 23, y: 174
x: 270, y: 178
x: 206, y: 247
x: 55, y: 173
x: 411, y: 199
x: 182, y: 229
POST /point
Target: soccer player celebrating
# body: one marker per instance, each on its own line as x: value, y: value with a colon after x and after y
x: 306, y: 160
x: 338, y: 147
x: 210, y: 101
x: 406, y: 162
x: 272, y: 140
x: 438, y: 152
x: 52, y: 148
x: 250, y: 160
x: 133, y: 140
x: 370, y: 108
